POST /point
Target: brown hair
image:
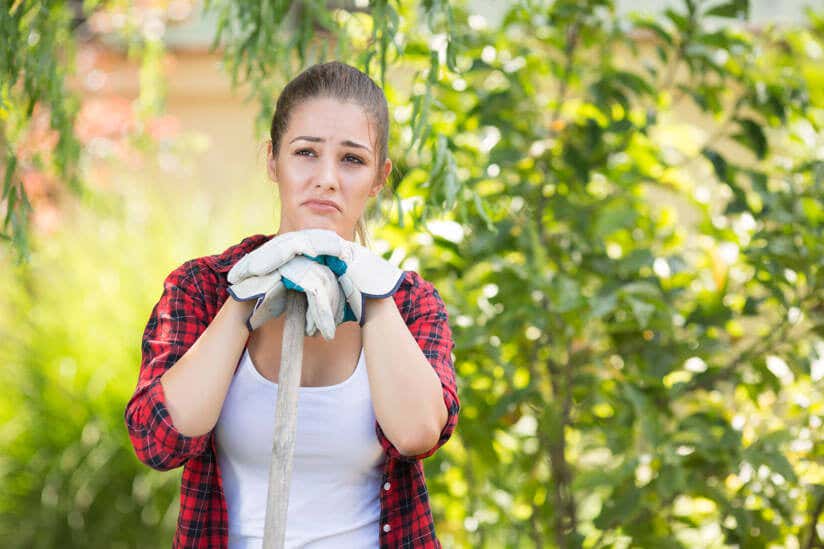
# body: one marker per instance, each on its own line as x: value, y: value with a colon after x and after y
x: 343, y: 82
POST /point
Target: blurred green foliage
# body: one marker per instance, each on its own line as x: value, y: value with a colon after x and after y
x: 624, y: 217
x: 639, y: 340
x: 71, y: 328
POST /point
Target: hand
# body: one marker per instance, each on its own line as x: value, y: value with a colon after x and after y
x: 361, y: 273
x: 269, y: 293
x: 325, y: 300
x: 277, y: 251
x: 364, y: 274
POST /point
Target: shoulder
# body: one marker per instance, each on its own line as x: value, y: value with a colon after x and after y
x: 219, y: 263
x: 416, y: 285
x: 206, y: 275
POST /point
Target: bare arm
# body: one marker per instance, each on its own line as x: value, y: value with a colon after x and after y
x: 406, y: 391
x: 196, y: 385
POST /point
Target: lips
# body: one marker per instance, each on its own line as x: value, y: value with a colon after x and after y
x: 323, y: 203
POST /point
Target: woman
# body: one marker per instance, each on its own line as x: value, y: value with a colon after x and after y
x: 377, y: 395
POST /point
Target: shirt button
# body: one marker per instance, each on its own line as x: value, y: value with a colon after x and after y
x: 386, y: 486
x: 386, y: 527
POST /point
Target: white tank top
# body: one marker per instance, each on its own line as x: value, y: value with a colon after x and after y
x: 337, y: 467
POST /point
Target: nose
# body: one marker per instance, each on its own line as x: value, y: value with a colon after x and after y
x: 327, y: 175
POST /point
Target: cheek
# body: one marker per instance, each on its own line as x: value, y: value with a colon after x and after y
x: 287, y: 196
x: 360, y: 180
x: 362, y: 195
x: 290, y: 178
x: 289, y: 166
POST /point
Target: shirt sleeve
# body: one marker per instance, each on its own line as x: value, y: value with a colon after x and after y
x: 428, y: 322
x: 176, y: 321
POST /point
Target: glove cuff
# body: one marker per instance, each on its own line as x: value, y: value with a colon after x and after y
x: 259, y: 297
x: 356, y: 298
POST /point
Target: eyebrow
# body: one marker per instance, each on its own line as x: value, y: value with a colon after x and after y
x: 346, y: 142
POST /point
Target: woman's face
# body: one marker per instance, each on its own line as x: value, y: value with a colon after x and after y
x: 327, y: 153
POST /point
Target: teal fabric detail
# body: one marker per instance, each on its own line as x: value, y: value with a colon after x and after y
x: 348, y: 314
x: 291, y: 285
x: 335, y: 264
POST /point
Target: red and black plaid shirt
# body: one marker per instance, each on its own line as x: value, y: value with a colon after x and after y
x: 192, y: 295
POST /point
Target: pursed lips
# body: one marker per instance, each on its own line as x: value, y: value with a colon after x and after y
x: 323, y: 203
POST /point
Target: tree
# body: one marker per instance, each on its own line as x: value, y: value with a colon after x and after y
x: 34, y: 62
x: 263, y: 42
x: 629, y: 378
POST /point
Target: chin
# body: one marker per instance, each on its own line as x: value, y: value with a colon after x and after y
x: 320, y: 224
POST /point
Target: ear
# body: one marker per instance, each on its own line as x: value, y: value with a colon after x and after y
x: 271, y: 162
x: 379, y: 184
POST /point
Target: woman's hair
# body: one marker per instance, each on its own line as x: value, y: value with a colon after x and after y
x: 338, y: 81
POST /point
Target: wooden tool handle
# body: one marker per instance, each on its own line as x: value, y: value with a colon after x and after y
x: 283, y: 449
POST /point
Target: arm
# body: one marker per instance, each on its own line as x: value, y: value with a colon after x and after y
x: 185, y: 373
x: 196, y: 386
x: 411, y: 377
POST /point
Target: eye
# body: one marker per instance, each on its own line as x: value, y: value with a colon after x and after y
x: 353, y: 158
x: 300, y: 152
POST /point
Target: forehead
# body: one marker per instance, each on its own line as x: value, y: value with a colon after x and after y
x: 330, y: 119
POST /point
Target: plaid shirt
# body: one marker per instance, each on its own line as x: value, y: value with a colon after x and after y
x: 192, y: 295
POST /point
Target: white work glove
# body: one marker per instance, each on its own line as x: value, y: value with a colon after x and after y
x: 361, y: 273
x: 278, y: 250
x: 326, y: 304
x: 325, y: 300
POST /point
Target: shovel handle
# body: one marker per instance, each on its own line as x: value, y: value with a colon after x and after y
x: 283, y: 449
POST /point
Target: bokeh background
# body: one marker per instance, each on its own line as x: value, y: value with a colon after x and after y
x: 621, y: 204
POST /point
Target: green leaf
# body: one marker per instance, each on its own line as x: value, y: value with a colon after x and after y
x: 641, y: 288
x: 616, y: 216
x: 642, y: 310
x: 634, y: 82
x: 752, y: 136
x: 654, y: 27
x: 813, y: 210
x: 738, y: 9
x: 11, y: 160
x: 10, y: 205
x: 681, y: 22
x: 602, y: 305
x: 451, y: 56
x: 481, y: 210
x: 773, y: 459
x: 400, y: 210
x: 564, y: 294
x: 671, y: 481
x: 619, y: 508
x: 719, y: 164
